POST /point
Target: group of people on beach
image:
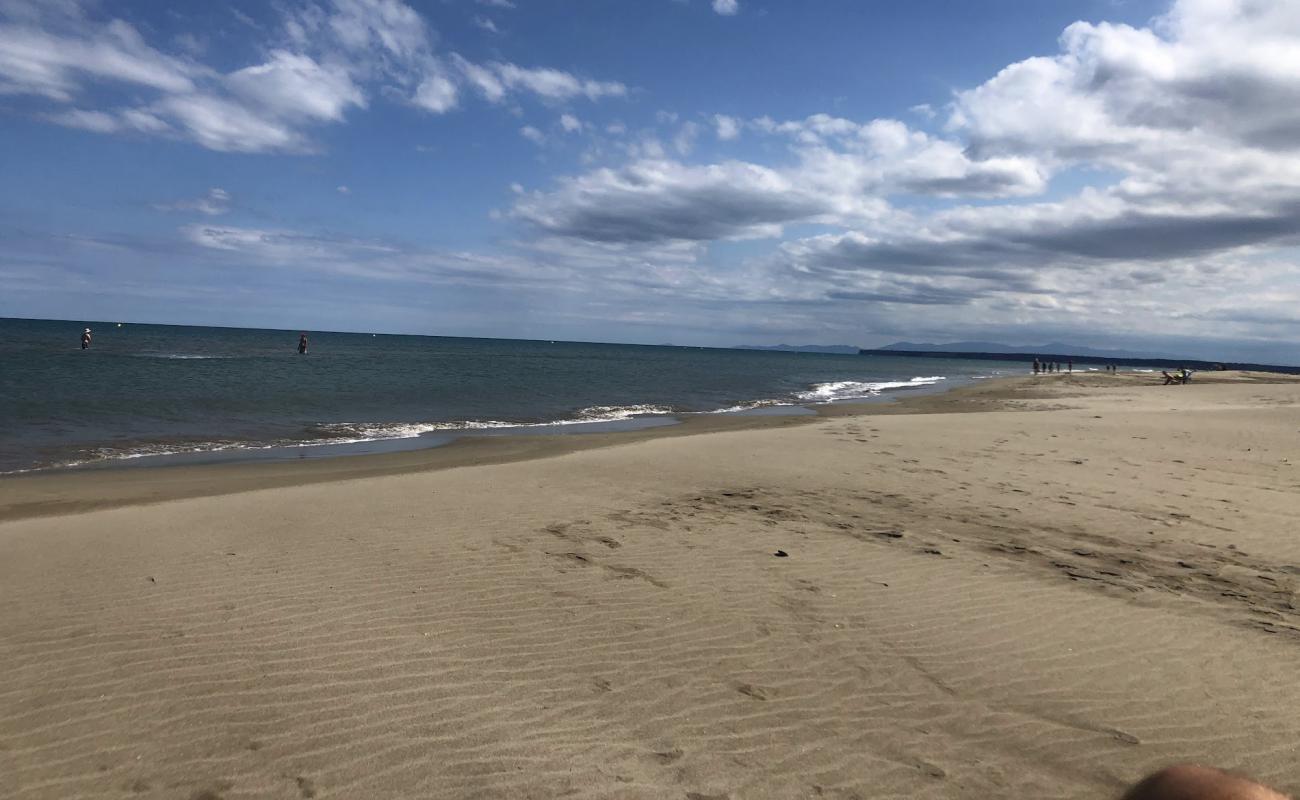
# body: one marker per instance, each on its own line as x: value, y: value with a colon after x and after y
x: 1183, y: 375
x: 1045, y: 366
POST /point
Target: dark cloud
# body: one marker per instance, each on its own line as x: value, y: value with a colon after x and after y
x: 653, y: 202
x: 1003, y: 254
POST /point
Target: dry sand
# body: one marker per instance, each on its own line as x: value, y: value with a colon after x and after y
x: 1037, y: 588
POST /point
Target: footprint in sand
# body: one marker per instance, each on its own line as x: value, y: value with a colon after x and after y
x: 668, y: 756
x: 756, y: 692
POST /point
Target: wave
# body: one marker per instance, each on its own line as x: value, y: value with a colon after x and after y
x: 340, y: 433
x: 857, y: 390
x: 350, y: 432
x: 177, y: 356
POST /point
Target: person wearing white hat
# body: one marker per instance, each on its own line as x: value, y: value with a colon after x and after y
x: 85, y: 340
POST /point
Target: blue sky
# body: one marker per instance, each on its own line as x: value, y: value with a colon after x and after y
x: 1109, y: 173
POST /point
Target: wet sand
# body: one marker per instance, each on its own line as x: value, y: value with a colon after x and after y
x: 1039, y: 587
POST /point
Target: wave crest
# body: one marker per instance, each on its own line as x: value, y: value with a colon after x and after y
x: 857, y: 390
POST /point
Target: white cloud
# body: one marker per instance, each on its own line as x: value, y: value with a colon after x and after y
x: 1184, y: 135
x: 570, y: 123
x: 294, y: 85
x: 481, y: 78
x: 245, y: 19
x: 486, y: 24
x: 842, y: 173
x: 220, y: 124
x: 329, y: 59
x: 33, y: 61
x: 554, y: 84
x: 379, y: 26
x: 726, y: 7
x: 343, y: 190
x: 684, y: 140
x: 532, y: 134
x: 97, y: 121
x: 727, y: 128
x: 436, y: 93
x: 214, y: 203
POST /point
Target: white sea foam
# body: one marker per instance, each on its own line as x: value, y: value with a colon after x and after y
x: 750, y: 406
x: 339, y: 433
x: 350, y: 432
x: 855, y: 390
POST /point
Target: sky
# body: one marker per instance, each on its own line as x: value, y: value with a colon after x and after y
x: 1107, y: 173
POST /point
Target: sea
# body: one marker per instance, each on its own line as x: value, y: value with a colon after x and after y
x: 159, y: 394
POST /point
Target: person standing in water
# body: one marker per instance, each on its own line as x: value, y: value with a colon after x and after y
x: 85, y: 339
x: 302, y: 344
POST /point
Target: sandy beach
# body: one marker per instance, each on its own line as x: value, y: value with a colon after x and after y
x: 1036, y: 587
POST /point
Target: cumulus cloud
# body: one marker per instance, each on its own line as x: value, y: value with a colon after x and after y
x: 1183, y: 135
x: 842, y: 172
x: 661, y: 201
x: 726, y: 8
x: 327, y: 59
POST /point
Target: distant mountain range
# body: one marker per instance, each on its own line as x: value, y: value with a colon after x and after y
x: 841, y: 349
x: 1053, y: 348
x: 1056, y: 348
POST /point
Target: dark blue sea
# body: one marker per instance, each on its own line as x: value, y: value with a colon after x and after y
x: 165, y: 390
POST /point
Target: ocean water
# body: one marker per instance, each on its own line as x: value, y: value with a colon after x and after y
x: 156, y: 390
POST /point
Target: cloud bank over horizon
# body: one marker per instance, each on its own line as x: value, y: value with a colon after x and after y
x: 1139, y: 184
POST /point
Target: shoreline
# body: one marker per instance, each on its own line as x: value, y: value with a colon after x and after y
x: 376, y: 438
x: 61, y: 490
x: 79, y: 490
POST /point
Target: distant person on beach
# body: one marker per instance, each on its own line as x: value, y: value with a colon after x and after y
x: 302, y: 344
x: 1069, y: 366
x: 1168, y: 378
x: 1035, y: 366
x: 85, y: 339
x: 1192, y: 782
